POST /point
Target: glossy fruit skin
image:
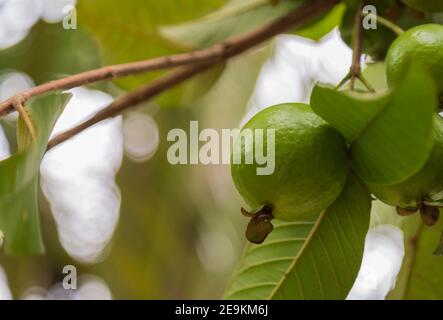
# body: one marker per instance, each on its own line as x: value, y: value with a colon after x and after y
x: 422, y: 45
x: 311, y: 164
x: 425, y: 5
x: 423, y: 185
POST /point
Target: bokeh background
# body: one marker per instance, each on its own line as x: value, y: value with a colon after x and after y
x: 135, y: 226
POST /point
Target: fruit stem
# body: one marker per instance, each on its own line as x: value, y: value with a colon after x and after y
x: 357, y: 43
x: 355, y: 70
x: 365, y: 82
x: 387, y: 23
x: 358, y: 76
x: 264, y: 210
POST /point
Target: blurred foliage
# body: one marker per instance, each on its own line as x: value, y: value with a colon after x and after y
x: 156, y: 28
x: 50, y: 52
x: 377, y: 41
x: 235, y: 17
x: 173, y: 217
x: 239, y: 16
x: 420, y: 277
x: 130, y: 32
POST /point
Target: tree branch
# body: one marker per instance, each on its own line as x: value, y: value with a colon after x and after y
x: 226, y: 50
x: 216, y: 53
x: 131, y: 99
x: 191, y: 64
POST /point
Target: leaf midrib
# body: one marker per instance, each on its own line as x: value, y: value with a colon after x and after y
x: 298, y: 255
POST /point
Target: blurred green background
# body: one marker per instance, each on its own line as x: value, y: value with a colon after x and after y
x: 180, y: 231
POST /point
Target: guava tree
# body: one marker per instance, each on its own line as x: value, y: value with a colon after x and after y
x: 363, y: 140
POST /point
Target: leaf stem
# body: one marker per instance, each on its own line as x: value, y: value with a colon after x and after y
x: 387, y: 23
x: 19, y: 107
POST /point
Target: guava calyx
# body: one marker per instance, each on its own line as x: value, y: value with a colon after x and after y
x: 260, y: 226
x: 405, y: 212
x: 429, y: 215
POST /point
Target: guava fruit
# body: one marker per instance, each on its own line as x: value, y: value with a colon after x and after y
x: 425, y: 5
x: 311, y: 166
x: 421, y: 45
x: 426, y: 185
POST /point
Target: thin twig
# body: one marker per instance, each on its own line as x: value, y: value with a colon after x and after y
x: 387, y: 23
x: 358, y: 38
x: 355, y: 69
x: 131, y: 99
x: 216, y: 53
x: 229, y: 49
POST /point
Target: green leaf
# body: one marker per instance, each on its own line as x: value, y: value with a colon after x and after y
x: 72, y: 51
x: 130, y: 31
x: 236, y: 17
x: 239, y: 16
x: 421, y: 274
x: 390, y: 134
x: 308, y: 260
x: 19, y: 220
x: 323, y: 25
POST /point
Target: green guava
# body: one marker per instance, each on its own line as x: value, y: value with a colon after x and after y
x: 425, y: 5
x: 311, y: 165
x: 422, y: 45
x: 426, y: 185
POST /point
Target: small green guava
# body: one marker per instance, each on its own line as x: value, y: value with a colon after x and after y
x: 422, y: 45
x: 311, y: 166
x: 425, y: 5
x: 424, y: 186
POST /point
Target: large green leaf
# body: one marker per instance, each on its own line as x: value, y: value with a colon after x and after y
x: 239, y: 16
x: 390, y: 134
x: 129, y: 31
x: 308, y: 260
x: 421, y: 274
x: 235, y: 17
x: 19, y: 220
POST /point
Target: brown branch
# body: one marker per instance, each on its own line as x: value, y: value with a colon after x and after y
x: 227, y: 49
x: 355, y: 69
x: 120, y: 70
x: 131, y: 99
x: 216, y: 53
